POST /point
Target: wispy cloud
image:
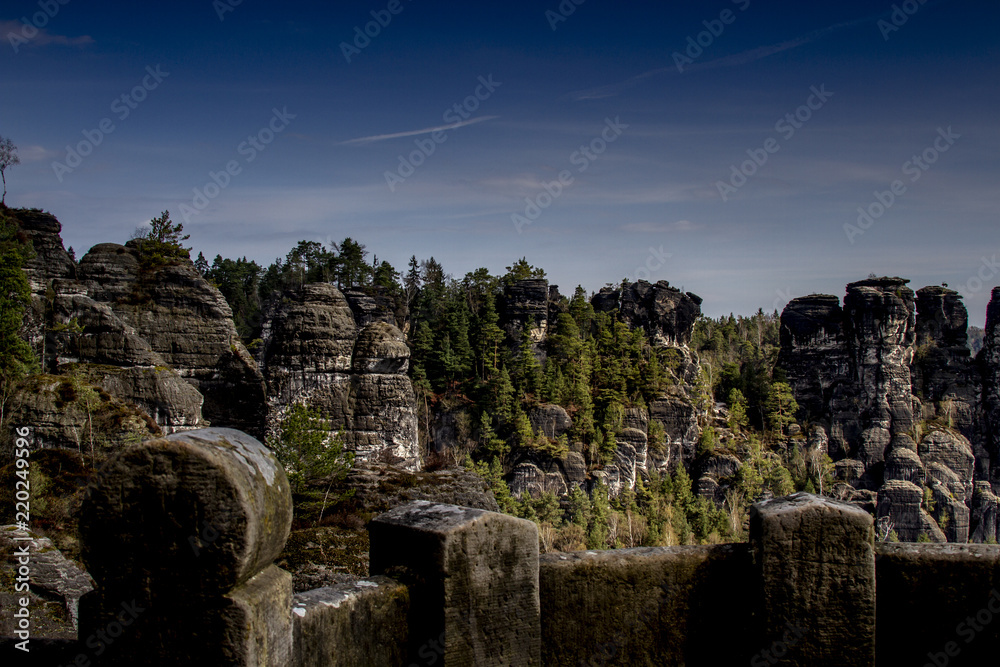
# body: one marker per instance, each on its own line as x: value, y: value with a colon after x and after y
x: 733, y: 60
x: 660, y: 227
x: 43, y: 37
x: 35, y: 153
x: 413, y: 133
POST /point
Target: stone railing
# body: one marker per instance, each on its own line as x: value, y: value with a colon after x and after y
x: 180, y: 535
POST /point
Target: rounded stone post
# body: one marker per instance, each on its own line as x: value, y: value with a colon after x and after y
x: 473, y: 580
x: 816, y: 561
x: 180, y: 534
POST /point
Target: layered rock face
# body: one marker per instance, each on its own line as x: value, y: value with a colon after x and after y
x: 161, y: 338
x: 813, y: 351
x: 89, y: 339
x: 850, y: 367
x: 372, y: 304
x: 77, y: 326
x: 889, y: 367
x: 186, y: 321
x: 526, y: 301
x: 879, y: 329
x: 313, y: 352
x: 51, y: 261
x: 943, y: 376
x: 668, y: 316
x: 988, y: 362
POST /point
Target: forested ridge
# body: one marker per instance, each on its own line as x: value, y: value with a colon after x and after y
x: 590, y: 363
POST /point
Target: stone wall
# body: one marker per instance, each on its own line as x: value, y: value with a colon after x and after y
x: 179, y: 534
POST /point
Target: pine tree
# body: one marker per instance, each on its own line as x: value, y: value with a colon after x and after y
x: 411, y: 284
x: 554, y: 386
x: 201, y: 264
x: 422, y: 344
x: 493, y: 446
x: 16, y: 356
x: 547, y: 509
x: 582, y: 310
x: 529, y: 371
x: 457, y: 322
x: 579, y: 511
x: 781, y: 406
x: 600, y: 511
x: 490, y: 337
x: 737, y: 410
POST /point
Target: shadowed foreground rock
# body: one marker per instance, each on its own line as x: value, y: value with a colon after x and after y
x: 816, y: 561
x: 179, y: 534
x: 647, y: 606
x: 473, y: 579
x: 470, y: 589
x: 360, y: 623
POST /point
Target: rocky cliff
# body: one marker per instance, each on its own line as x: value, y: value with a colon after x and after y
x: 988, y: 366
x: 155, y: 344
x: 526, y: 302
x: 186, y: 321
x: 109, y: 367
x: 313, y: 352
x: 888, y: 381
x: 668, y: 316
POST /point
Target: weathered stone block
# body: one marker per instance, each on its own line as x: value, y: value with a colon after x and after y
x: 249, y: 626
x: 193, y: 514
x: 648, y: 606
x: 473, y: 579
x: 360, y: 623
x: 256, y: 624
x: 816, y: 560
x: 938, y: 604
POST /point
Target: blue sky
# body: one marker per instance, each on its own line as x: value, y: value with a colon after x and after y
x: 722, y: 146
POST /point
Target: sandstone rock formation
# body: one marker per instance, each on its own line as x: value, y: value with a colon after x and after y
x: 943, y: 377
x: 888, y: 367
x: 988, y: 361
x: 50, y: 262
x: 813, y: 351
x: 667, y: 314
x: 372, y: 304
x: 56, y: 585
x: 313, y: 352
x: 187, y: 322
x: 158, y: 336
